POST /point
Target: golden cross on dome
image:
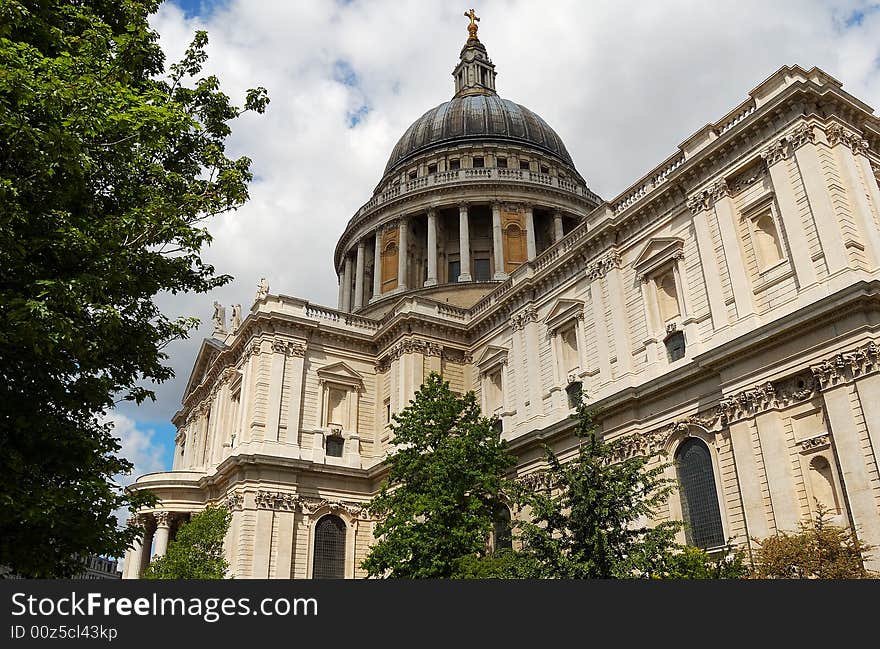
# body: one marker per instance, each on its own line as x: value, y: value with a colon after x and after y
x: 472, y: 28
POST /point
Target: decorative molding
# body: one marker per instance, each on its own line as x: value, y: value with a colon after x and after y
x: 408, y: 346
x: 524, y: 317
x: 775, y: 152
x: 601, y: 266
x: 163, y: 518
x: 816, y: 442
x: 837, y: 134
x: 846, y: 367
x: 310, y: 506
x: 457, y: 356
x: 288, y: 347
x: 277, y: 500
x: 801, y: 135
x: 234, y: 500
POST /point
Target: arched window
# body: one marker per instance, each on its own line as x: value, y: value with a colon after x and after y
x: 503, y: 535
x: 699, y: 499
x: 329, y: 557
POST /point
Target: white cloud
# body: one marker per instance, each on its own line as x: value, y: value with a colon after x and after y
x: 622, y: 83
x: 139, y: 446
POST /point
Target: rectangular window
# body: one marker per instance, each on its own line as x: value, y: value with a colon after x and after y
x: 337, y: 411
x: 454, y: 270
x: 524, y: 165
x: 481, y: 270
x: 478, y: 163
x: 413, y: 175
x: 432, y: 168
x: 570, y: 359
x: 501, y: 163
x: 387, y: 411
x: 493, y: 392
x: 454, y: 165
x: 545, y: 169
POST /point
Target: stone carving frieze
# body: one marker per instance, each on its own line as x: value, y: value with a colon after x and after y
x: 801, y: 135
x: 775, y: 152
x: 846, y: 367
x: 234, y: 500
x: 277, y: 500
x: 458, y: 356
x: 816, y: 442
x: 310, y: 506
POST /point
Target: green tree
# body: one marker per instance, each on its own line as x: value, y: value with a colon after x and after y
x: 591, y: 520
x: 695, y: 563
x: 109, y: 165
x: 444, y: 486
x: 197, y: 551
x: 818, y: 550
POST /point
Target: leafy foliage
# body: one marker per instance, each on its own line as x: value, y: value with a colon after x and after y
x: 444, y: 485
x: 592, y: 521
x: 695, y: 563
x: 816, y: 551
x: 197, y: 552
x: 108, y: 167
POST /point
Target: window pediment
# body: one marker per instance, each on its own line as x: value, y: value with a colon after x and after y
x: 491, y: 357
x: 342, y: 374
x: 656, y: 253
x: 563, y: 311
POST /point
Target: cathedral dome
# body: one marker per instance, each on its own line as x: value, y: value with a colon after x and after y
x: 484, y: 117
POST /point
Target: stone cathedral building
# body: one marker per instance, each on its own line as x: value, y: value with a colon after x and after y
x: 723, y: 311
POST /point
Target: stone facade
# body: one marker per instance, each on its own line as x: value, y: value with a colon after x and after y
x: 730, y: 296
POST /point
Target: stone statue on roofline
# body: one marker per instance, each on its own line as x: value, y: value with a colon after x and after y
x: 262, y: 289
x: 219, y: 319
x: 236, y: 318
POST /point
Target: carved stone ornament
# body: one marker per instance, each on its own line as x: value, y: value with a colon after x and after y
x: 288, y: 347
x: 163, y: 519
x: 234, y: 500
x: 524, y: 317
x: 277, y: 500
x: 837, y: 134
x: 600, y: 267
x: 847, y: 366
x: 815, y: 442
x: 802, y: 134
x: 408, y: 346
x: 775, y: 152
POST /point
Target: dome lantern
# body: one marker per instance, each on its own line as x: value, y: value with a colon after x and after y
x: 475, y: 72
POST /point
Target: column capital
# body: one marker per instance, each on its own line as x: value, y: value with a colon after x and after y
x: 431, y: 211
x: 361, y: 244
x: 463, y: 206
x: 163, y: 519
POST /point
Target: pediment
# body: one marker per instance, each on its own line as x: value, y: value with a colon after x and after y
x: 658, y: 251
x: 340, y: 373
x: 209, y: 351
x: 563, y: 310
x: 491, y: 356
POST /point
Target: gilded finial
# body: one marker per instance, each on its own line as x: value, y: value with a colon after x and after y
x: 472, y: 28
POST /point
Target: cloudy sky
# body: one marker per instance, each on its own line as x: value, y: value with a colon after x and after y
x: 622, y: 83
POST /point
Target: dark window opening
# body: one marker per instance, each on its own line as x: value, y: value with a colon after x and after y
x: 413, y: 175
x: 675, y: 346
x: 329, y: 558
x: 699, y: 498
x: 454, y: 165
x: 575, y: 392
x: 524, y: 165
x: 545, y: 169
x: 334, y: 445
x: 498, y: 427
x: 478, y: 163
x: 454, y: 271
x: 502, y: 163
x: 481, y: 270
x: 432, y: 168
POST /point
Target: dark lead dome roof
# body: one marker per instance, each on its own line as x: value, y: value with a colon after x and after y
x: 479, y: 117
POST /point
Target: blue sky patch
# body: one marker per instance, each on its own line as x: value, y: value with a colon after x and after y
x: 193, y: 8
x: 355, y: 116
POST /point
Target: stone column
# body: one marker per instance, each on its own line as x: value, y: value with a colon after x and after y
x: 134, y: 556
x: 557, y: 226
x: 601, y: 327
x: 377, y: 266
x: 432, y: 248
x: 341, y: 280
x: 464, y: 244
x: 709, y: 262
x: 145, y: 552
x: 777, y: 464
x: 791, y: 219
x: 359, y: 275
x: 346, y: 281
x: 736, y: 266
x: 498, y: 242
x: 163, y: 530
x: 531, y: 248
x: 403, y: 254
x: 619, y: 320
x: 744, y: 456
x: 855, y: 190
x: 853, y: 465
x: 827, y: 225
